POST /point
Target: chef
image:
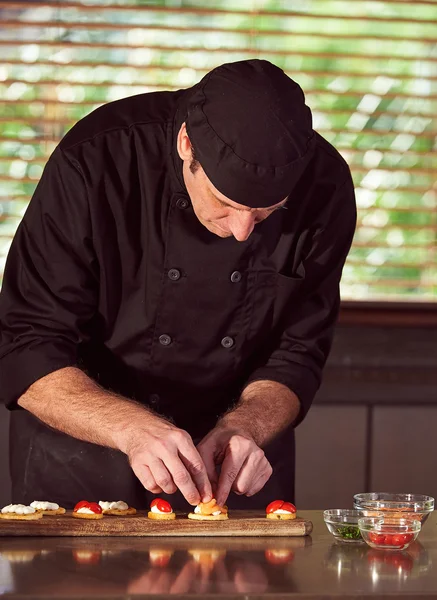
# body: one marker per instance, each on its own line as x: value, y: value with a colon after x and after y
x: 170, y: 295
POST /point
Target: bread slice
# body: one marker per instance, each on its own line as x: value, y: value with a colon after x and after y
x: 58, y: 511
x: 120, y: 513
x: 200, y: 517
x: 14, y: 517
x: 280, y: 517
x: 161, y: 516
x: 78, y: 515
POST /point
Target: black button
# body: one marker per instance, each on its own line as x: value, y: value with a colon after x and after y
x: 154, y: 399
x: 174, y: 274
x: 182, y: 203
x: 227, y: 342
x: 165, y: 339
x: 236, y: 276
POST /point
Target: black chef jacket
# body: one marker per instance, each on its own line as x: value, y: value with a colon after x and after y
x: 111, y: 271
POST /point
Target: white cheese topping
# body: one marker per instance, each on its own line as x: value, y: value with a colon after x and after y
x: 85, y: 510
x: 40, y: 505
x: 120, y: 505
x: 18, y: 509
x: 198, y: 511
x: 156, y: 510
x: 281, y: 512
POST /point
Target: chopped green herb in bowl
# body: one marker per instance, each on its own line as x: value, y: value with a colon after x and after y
x: 343, y: 524
x: 349, y: 532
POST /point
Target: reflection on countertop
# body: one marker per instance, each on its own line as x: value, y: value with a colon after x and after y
x: 360, y: 560
x: 309, y: 567
x: 172, y: 566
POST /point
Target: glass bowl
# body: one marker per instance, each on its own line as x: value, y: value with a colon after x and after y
x: 343, y: 523
x: 388, y: 532
x: 402, y: 506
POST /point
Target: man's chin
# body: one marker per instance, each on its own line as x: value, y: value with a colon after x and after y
x: 217, y: 230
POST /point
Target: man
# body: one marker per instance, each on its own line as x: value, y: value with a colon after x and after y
x: 160, y: 308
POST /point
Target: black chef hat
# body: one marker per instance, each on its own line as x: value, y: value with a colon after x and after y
x: 251, y: 131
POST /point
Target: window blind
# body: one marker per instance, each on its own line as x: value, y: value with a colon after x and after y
x: 368, y: 69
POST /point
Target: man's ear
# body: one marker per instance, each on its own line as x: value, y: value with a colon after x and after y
x: 184, y: 144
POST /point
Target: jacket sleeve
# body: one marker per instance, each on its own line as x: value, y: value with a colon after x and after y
x: 306, y: 336
x: 50, y: 286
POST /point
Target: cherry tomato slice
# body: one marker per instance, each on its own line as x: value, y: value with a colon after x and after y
x: 81, y: 504
x: 275, y: 505
x: 96, y: 508
x: 91, y: 505
x: 279, y: 557
x: 87, y: 557
x: 162, y: 505
x: 288, y: 506
x: 159, y: 559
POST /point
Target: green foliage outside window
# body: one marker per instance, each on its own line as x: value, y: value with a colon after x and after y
x: 368, y: 68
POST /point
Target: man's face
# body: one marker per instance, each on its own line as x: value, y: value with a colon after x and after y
x: 216, y: 212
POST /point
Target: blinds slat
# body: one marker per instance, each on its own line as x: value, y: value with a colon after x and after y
x: 431, y: 246
x: 192, y: 29
x: 217, y: 11
x: 49, y: 101
x: 25, y: 198
x: 162, y: 86
x: 397, y: 226
x: 392, y: 264
x: 64, y: 121
x: 318, y: 111
x: 40, y: 139
x: 223, y: 50
x: 418, y: 189
x: 339, y: 144
x: 395, y: 283
x: 200, y: 72
x: 407, y: 2
x: 355, y: 169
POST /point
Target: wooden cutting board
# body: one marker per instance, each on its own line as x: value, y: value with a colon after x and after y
x: 240, y: 523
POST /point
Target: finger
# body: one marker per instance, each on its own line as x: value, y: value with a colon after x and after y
x: 250, y: 578
x: 203, y: 581
x: 161, y: 583
x: 255, y: 467
x: 183, y: 480
x: 196, y: 466
x: 144, y: 474
x: 162, y: 476
x: 141, y: 585
x: 209, y: 461
x: 206, y: 452
x: 223, y: 577
x: 182, y: 583
x: 244, y: 477
x: 259, y: 483
x: 229, y: 472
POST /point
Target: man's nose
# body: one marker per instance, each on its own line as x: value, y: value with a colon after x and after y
x: 241, y: 224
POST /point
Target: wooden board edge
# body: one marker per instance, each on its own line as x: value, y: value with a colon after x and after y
x: 62, y: 526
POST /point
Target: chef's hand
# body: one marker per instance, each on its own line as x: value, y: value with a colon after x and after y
x: 164, y: 459
x: 244, y: 467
